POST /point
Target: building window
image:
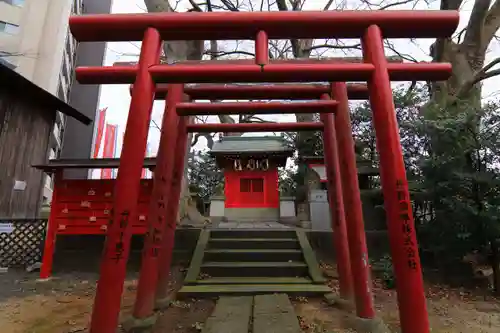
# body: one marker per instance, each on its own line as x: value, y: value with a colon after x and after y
x: 9, y: 28
x: 18, y: 3
x: 245, y: 185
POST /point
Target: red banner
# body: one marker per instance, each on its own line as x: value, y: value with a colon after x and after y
x: 109, y: 148
x: 99, y: 131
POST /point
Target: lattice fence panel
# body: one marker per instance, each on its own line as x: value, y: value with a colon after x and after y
x: 22, y: 245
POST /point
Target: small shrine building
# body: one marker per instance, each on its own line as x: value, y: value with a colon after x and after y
x: 251, y: 183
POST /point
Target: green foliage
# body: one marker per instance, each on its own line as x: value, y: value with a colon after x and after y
x: 461, y: 178
x: 452, y: 157
x: 205, y: 177
x: 387, y: 271
x: 452, y: 160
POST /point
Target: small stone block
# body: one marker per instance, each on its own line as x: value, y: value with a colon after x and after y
x: 335, y: 300
x: 374, y: 325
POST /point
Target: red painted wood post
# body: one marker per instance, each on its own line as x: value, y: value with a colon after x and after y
x: 261, y: 49
x: 126, y: 193
x: 172, y: 210
x: 148, y: 279
x: 352, y: 203
x: 51, y: 233
x: 336, y: 203
x: 400, y: 224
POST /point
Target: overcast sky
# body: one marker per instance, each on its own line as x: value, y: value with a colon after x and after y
x: 117, y: 97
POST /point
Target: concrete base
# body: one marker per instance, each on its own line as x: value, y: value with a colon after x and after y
x: 374, y: 325
x: 335, y: 300
x: 142, y: 325
x: 50, y: 278
x: 163, y: 303
x: 361, y: 325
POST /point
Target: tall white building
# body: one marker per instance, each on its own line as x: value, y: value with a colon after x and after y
x: 36, y: 42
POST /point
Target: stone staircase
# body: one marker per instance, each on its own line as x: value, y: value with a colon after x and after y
x: 253, y: 262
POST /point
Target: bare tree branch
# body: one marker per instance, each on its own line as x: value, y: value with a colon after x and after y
x: 484, y: 74
x: 330, y: 46
x: 388, y: 44
x: 155, y: 125
x: 196, y: 7
x: 491, y: 23
x: 386, y: 4
x: 218, y: 54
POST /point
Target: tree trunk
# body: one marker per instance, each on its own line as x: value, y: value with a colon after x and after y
x: 178, y: 51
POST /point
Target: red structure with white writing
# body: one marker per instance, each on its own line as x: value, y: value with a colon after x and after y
x: 84, y: 206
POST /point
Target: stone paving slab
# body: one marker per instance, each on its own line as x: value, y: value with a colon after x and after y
x: 231, y: 315
x: 269, y: 314
x: 274, y: 314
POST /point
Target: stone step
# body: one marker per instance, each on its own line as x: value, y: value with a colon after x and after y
x: 253, y: 233
x: 253, y: 255
x: 253, y: 243
x: 252, y: 289
x: 255, y: 280
x: 254, y: 269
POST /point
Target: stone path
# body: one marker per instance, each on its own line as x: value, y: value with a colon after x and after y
x: 261, y: 314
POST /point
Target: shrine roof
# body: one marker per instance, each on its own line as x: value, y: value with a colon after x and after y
x: 88, y: 163
x: 251, y: 144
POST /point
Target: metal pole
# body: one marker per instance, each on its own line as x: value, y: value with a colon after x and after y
x: 148, y: 279
x: 340, y: 240
x: 401, y: 227
x: 126, y: 194
x: 353, y: 207
x: 173, y: 209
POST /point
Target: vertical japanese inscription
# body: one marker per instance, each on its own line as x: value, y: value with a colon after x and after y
x: 157, y: 226
x: 119, y: 246
x: 176, y: 179
x: 404, y: 212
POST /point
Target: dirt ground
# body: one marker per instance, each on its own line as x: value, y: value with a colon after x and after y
x: 60, y: 305
x: 450, y: 310
x: 185, y: 316
x: 63, y: 305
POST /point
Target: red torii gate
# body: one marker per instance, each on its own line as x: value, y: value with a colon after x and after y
x: 370, y: 26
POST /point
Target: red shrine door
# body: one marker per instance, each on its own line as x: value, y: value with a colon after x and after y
x: 252, y: 191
